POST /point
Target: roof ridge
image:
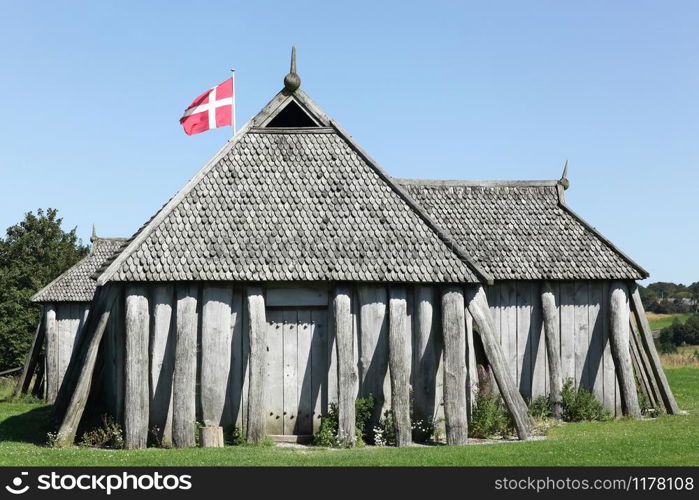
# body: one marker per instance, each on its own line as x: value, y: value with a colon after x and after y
x: 472, y: 183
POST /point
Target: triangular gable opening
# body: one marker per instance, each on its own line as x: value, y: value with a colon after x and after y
x: 292, y: 116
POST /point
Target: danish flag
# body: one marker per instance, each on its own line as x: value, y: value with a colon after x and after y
x: 212, y: 109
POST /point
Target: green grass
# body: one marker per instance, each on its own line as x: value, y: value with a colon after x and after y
x: 660, y: 321
x: 667, y: 440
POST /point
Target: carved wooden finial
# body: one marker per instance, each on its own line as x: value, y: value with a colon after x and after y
x: 292, y: 81
x: 564, y: 178
x: 94, y: 234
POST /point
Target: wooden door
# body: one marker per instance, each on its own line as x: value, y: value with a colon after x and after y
x: 296, y: 370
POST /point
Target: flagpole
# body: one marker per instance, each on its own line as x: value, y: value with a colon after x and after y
x: 234, y: 93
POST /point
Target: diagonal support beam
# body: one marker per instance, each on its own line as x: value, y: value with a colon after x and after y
x: 477, y: 304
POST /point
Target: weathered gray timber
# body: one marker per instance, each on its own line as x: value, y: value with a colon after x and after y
x: 184, y: 383
x: 427, y: 353
x: 619, y: 322
x: 399, y: 362
x: 649, y: 347
x: 51, y: 353
x: 655, y: 396
x: 347, y: 373
x: 216, y: 339
x: 71, y: 399
x: 373, y: 345
x: 257, y: 327
x: 471, y: 366
x: 477, y: 303
x: 163, y: 340
x: 639, y: 370
x: 30, y: 363
x: 551, y: 325
x: 136, y: 403
x: 211, y: 437
x: 454, y: 333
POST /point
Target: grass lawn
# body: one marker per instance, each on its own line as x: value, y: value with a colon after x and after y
x: 660, y: 321
x: 667, y: 440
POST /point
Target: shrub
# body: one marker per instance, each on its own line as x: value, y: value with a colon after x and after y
x: 580, y: 405
x: 541, y: 408
x: 327, y: 434
x: 490, y: 418
x: 385, y: 432
x: 107, y: 435
x: 234, y: 436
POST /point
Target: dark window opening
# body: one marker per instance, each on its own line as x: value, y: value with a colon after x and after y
x: 292, y: 116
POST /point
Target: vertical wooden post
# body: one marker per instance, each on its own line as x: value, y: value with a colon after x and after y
x: 477, y: 303
x: 257, y: 329
x: 553, y: 353
x: 216, y: 339
x: 399, y: 363
x: 347, y: 370
x: 51, y: 353
x: 619, y: 322
x: 136, y: 394
x: 454, y: 332
x: 184, y: 383
x: 428, y: 350
x: 649, y: 347
x: 163, y: 340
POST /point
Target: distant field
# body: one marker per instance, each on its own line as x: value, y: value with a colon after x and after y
x: 660, y: 321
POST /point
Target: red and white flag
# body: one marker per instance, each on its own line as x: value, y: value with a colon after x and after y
x: 212, y: 109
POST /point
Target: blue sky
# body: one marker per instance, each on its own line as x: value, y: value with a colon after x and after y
x: 460, y: 90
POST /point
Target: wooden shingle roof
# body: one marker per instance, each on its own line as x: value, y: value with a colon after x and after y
x: 76, y: 284
x: 521, y: 230
x: 292, y: 204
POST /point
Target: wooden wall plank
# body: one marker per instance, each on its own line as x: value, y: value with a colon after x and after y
x: 471, y: 365
x: 233, y: 412
x: 304, y: 374
x: 373, y: 344
x: 216, y: 343
x: 136, y: 394
x: 185, y: 372
x: 581, y: 334
x: 539, y: 371
x: 319, y: 362
x: 290, y: 345
x: 427, y: 352
x: 567, y: 330
x: 274, y: 373
x: 508, y: 326
x: 596, y: 329
x: 609, y: 371
x: 524, y: 338
x: 162, y: 366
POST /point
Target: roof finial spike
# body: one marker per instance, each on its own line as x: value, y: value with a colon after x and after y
x: 564, y: 178
x: 94, y: 234
x: 292, y: 81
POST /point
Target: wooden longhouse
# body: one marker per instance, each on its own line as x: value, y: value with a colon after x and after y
x: 292, y: 272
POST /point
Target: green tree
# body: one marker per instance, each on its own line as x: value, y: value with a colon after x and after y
x: 34, y: 252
